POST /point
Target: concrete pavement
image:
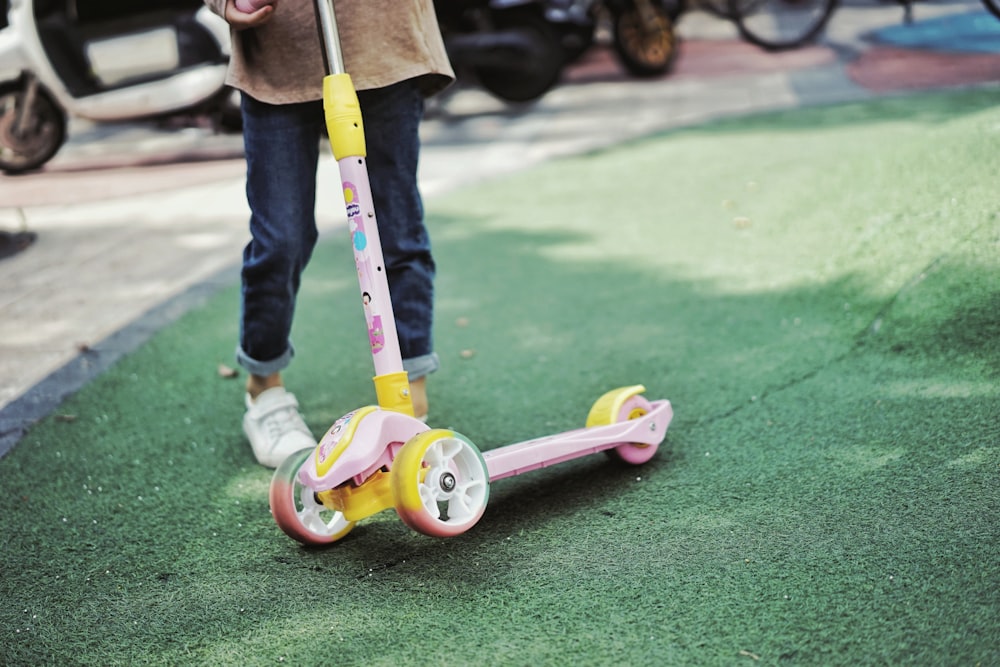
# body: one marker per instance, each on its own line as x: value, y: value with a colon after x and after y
x: 135, y: 225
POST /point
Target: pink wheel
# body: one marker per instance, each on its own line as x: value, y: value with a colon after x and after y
x: 297, y: 511
x: 633, y: 453
x: 634, y: 407
x: 440, y: 484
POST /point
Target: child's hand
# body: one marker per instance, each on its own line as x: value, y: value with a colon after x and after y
x: 241, y: 20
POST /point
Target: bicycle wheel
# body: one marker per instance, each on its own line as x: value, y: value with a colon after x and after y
x: 780, y: 24
x: 993, y: 6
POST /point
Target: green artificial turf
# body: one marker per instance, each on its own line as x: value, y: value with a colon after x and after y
x: 816, y: 291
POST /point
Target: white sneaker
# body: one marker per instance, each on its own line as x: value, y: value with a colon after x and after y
x: 274, y: 426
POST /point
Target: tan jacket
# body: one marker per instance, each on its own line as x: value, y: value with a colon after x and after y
x: 383, y: 41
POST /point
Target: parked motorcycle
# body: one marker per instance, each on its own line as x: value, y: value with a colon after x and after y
x: 509, y: 47
x: 104, y: 60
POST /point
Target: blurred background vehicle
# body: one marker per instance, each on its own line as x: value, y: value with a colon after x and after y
x: 641, y: 32
x: 105, y: 60
x: 517, y: 49
x: 776, y: 25
x: 508, y: 47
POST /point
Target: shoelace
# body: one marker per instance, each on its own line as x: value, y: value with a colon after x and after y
x: 279, y: 421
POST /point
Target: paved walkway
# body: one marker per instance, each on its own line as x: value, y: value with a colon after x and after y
x: 135, y: 225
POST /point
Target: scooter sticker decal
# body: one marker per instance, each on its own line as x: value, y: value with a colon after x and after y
x: 354, y: 221
x: 339, y: 438
x: 376, y: 335
x: 362, y: 260
x: 334, y: 435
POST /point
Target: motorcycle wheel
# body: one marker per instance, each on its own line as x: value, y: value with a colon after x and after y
x: 644, y: 40
x: 43, y: 136
x: 527, y: 83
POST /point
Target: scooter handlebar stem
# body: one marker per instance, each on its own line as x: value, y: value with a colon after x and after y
x: 347, y: 140
x: 327, y: 20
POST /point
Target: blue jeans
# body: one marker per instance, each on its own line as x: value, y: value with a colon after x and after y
x: 282, y: 144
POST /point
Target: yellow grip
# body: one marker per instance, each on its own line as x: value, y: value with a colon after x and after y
x: 343, y: 117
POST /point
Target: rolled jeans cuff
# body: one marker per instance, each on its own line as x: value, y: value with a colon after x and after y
x: 418, y: 367
x: 264, y: 368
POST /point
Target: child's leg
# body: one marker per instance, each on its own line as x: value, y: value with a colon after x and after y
x: 282, y: 150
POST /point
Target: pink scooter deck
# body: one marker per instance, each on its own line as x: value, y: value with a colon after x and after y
x: 510, y: 460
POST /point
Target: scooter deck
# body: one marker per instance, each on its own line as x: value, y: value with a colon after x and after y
x: 649, y: 430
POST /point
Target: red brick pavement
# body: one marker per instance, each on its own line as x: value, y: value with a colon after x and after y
x: 880, y: 69
x: 705, y: 59
x: 78, y: 181
x: 885, y: 69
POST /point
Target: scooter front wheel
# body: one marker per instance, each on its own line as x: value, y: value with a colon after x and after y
x: 440, y: 483
x: 297, y: 511
x: 29, y: 137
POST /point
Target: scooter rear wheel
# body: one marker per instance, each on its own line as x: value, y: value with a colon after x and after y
x: 440, y: 484
x: 297, y: 511
x: 43, y: 130
x: 633, y: 453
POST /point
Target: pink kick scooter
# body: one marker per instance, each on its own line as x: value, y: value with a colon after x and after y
x: 380, y: 457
